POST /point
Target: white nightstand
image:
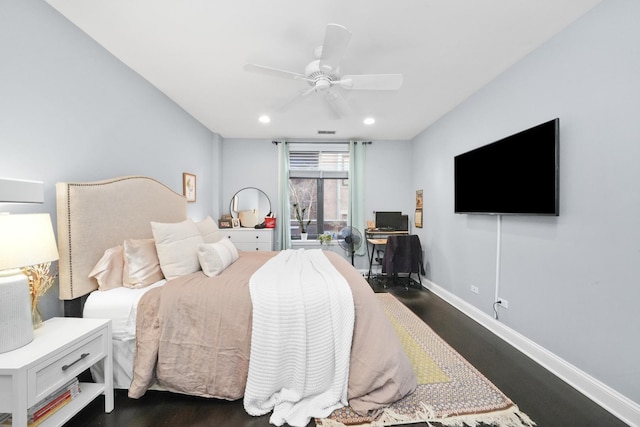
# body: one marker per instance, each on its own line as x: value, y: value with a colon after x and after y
x: 62, y: 348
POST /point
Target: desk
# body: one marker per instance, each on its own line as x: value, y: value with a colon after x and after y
x: 377, y: 237
x: 374, y: 243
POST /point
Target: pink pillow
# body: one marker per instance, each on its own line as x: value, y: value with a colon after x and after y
x: 141, y: 264
x: 109, y: 270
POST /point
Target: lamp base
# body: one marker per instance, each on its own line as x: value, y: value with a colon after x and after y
x: 16, y: 327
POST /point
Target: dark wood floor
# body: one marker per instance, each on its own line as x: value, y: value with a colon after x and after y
x: 546, y: 399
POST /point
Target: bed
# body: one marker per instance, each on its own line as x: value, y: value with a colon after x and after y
x: 191, y: 331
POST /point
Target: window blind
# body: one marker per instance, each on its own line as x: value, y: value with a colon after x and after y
x: 312, y: 162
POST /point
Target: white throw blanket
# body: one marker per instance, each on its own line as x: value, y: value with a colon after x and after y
x: 303, y: 317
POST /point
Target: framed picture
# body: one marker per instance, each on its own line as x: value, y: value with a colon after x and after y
x: 189, y: 186
x: 418, y: 218
x: 235, y: 222
x: 224, y: 223
x: 419, y: 201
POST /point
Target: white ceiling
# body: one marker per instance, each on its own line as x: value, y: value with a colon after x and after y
x: 194, y: 52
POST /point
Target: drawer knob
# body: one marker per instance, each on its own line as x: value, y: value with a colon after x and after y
x: 82, y: 356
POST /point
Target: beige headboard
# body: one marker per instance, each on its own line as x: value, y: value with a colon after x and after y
x: 94, y: 216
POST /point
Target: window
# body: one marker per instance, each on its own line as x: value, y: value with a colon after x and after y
x: 319, y: 184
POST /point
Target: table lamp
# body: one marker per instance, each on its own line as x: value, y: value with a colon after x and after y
x: 26, y: 240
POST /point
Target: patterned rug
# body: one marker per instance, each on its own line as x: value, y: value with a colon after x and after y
x: 450, y: 390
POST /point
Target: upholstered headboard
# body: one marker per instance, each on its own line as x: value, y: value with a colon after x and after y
x: 94, y: 216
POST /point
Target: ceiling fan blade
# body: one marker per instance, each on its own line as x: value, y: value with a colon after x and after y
x: 338, y: 103
x: 270, y: 71
x: 336, y: 40
x: 371, y: 82
x: 295, y: 100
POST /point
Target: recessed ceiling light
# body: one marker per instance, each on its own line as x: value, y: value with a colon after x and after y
x: 264, y: 119
x: 369, y: 121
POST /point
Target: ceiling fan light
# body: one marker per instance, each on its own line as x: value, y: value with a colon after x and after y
x: 369, y: 121
x: 264, y: 119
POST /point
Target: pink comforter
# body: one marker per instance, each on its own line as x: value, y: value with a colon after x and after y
x: 194, y: 337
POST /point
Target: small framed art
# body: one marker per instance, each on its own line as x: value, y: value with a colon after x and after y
x: 189, y: 186
x: 235, y: 222
x: 419, y: 199
x: 419, y: 204
x: 418, y: 218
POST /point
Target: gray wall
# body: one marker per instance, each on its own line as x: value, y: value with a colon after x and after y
x: 69, y: 111
x: 572, y: 281
x: 254, y: 163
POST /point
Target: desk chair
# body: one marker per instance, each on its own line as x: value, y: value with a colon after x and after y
x: 403, y: 254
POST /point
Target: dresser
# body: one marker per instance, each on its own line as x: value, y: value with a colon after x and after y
x: 250, y: 239
x: 62, y: 348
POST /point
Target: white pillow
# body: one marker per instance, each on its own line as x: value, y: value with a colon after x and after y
x: 177, y: 246
x: 141, y: 263
x: 215, y: 257
x: 209, y: 230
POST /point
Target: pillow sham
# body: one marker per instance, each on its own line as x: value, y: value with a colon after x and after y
x: 209, y: 230
x: 109, y: 270
x: 215, y: 257
x: 177, y: 247
x: 141, y: 263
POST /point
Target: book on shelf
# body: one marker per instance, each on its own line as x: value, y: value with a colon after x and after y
x: 54, y: 401
x: 50, y: 411
x: 61, y: 399
x: 73, y: 386
x: 47, y: 406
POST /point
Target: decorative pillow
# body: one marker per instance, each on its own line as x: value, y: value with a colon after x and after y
x: 215, y: 257
x: 141, y: 264
x: 109, y: 270
x: 209, y: 230
x: 177, y: 246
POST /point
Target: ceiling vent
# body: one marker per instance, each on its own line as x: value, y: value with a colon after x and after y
x: 326, y: 132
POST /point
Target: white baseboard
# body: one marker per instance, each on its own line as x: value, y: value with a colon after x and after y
x: 617, y: 404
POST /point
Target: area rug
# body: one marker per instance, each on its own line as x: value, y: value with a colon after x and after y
x: 450, y: 390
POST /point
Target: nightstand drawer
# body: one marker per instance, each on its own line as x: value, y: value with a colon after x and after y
x: 55, y: 372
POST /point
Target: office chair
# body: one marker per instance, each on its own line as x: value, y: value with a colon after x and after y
x: 403, y: 254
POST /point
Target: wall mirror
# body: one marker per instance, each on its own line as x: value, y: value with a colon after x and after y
x: 248, y: 199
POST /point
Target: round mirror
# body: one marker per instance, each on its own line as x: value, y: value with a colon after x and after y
x: 250, y: 199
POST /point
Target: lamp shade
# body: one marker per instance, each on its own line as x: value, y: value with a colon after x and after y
x: 26, y: 239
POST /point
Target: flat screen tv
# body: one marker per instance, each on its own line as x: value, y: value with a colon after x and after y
x: 517, y: 175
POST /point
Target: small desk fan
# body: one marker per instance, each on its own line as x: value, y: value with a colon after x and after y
x: 350, y: 239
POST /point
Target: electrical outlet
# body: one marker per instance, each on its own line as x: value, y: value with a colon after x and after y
x: 503, y: 302
x: 474, y: 289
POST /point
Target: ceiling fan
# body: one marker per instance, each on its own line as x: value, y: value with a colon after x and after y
x: 323, y: 73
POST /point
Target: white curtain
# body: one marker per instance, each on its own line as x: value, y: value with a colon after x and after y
x: 283, y: 227
x: 356, y: 216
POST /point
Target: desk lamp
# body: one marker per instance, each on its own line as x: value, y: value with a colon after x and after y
x: 25, y: 241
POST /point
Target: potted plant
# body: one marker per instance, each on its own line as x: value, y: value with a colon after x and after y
x: 324, y: 238
x: 303, y: 223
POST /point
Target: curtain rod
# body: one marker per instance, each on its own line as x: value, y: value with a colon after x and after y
x: 319, y: 142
